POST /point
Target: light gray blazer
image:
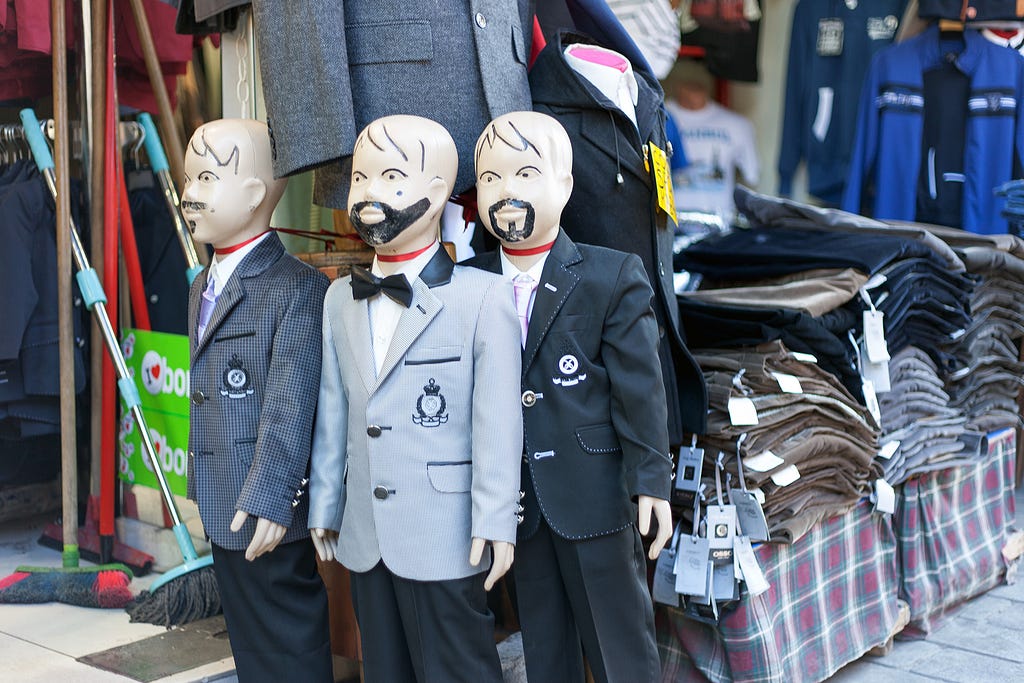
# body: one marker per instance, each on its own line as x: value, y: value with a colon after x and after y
x: 410, y: 464
x: 330, y: 67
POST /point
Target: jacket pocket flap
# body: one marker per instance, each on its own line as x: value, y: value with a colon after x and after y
x: 451, y: 477
x: 389, y: 42
x: 432, y: 356
x: 598, y: 439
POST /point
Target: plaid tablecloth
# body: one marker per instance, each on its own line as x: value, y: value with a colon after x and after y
x: 833, y: 596
x: 951, y: 526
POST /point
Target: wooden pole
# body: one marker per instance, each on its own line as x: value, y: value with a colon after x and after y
x: 68, y: 445
x: 168, y: 131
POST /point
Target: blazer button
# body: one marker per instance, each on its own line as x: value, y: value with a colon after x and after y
x: 380, y: 492
x: 373, y: 430
x: 198, y: 397
x: 529, y: 398
x: 481, y: 20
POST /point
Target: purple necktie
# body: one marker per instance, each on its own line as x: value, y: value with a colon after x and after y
x: 206, y: 310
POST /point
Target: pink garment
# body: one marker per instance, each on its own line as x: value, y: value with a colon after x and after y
x: 602, y: 57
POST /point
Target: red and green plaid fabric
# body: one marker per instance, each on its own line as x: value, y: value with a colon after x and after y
x: 833, y: 596
x: 951, y: 527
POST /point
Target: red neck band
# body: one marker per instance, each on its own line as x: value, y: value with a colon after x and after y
x: 236, y: 247
x: 393, y: 258
x: 528, y: 252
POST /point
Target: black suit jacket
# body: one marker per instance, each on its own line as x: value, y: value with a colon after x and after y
x: 622, y: 215
x: 596, y: 434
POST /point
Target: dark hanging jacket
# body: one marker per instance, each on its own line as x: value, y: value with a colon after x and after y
x: 622, y: 215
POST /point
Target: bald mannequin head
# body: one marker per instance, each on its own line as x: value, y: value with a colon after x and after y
x: 230, y: 190
x: 403, y: 171
x: 524, y: 178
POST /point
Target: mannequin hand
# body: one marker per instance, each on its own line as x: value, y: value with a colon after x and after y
x: 266, y: 537
x: 326, y: 543
x: 504, y: 553
x: 663, y: 513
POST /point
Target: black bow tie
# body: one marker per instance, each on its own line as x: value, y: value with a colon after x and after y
x: 366, y: 285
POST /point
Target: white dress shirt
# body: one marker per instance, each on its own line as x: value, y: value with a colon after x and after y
x: 510, y: 270
x: 618, y: 86
x: 222, y: 266
x: 385, y: 312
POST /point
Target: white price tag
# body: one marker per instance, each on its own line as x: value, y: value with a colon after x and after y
x: 758, y: 493
x: 871, y: 401
x: 885, y: 497
x: 874, y: 336
x: 878, y: 373
x: 803, y: 357
x: 742, y: 412
x: 788, y: 383
x: 888, y: 449
x: 763, y: 462
x: 786, y: 476
x: 747, y: 562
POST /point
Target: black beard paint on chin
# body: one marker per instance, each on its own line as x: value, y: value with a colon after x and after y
x: 395, y: 220
x: 512, y: 233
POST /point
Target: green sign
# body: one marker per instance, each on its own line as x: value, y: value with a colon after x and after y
x: 159, y: 364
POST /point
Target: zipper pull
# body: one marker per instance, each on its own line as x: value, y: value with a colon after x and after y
x: 647, y: 164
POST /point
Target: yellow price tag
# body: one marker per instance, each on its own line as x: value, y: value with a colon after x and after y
x: 662, y: 180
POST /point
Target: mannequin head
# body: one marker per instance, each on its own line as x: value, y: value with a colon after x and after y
x: 523, y: 178
x: 230, y: 190
x: 403, y: 171
x: 690, y: 84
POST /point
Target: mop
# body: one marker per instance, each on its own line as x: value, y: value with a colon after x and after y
x: 189, y: 591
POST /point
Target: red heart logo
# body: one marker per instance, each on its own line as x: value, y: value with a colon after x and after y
x: 156, y: 371
x: 156, y: 447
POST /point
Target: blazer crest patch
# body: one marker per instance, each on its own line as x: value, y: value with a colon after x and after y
x: 236, y: 380
x: 568, y: 369
x: 430, y: 406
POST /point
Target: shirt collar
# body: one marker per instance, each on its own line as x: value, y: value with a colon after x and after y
x: 510, y: 270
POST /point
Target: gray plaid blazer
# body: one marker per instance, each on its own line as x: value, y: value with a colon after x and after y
x: 410, y: 464
x: 254, y: 380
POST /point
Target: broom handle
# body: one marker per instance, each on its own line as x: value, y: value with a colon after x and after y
x: 158, y: 160
x: 60, y: 186
x: 92, y: 294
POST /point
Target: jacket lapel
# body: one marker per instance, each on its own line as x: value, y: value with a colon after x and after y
x: 557, y: 281
x: 195, y: 300
x: 424, y: 308
x: 355, y: 317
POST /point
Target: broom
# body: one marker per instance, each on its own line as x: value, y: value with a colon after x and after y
x: 106, y: 585
x: 187, y: 592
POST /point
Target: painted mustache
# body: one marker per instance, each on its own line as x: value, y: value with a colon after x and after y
x: 394, y: 222
x: 193, y: 206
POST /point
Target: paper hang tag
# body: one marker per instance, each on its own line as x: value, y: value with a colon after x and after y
x: 878, y: 373
x: 803, y: 357
x: 662, y: 181
x: 888, y: 449
x: 742, y: 412
x: 747, y: 562
x: 749, y: 514
x: 871, y: 401
x: 725, y: 587
x: 830, y: 37
x: 763, y: 462
x: 692, y: 567
x: 875, y: 347
x: 786, y: 476
x: 789, y: 384
x: 884, y: 497
x: 664, y: 588
x: 691, y: 462
x: 721, y: 524
x: 758, y: 495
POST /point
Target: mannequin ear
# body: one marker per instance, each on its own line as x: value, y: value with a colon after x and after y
x: 438, y: 193
x: 256, y: 191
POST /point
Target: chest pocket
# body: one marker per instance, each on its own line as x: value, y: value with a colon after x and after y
x: 434, y: 356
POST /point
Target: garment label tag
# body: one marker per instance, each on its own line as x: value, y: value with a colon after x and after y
x: 721, y: 521
x: 742, y: 412
x: 758, y: 494
x: 750, y: 514
x: 692, y: 566
x: 789, y: 384
x: 885, y: 497
x: 664, y: 588
x: 663, y: 181
x: 830, y: 37
x: 724, y: 586
x: 878, y: 373
x: 747, y: 562
x: 803, y: 357
x: 871, y: 401
x: 763, y: 462
x: 876, y: 280
x: 874, y: 336
x: 888, y: 449
x: 786, y: 476
x: 691, y: 461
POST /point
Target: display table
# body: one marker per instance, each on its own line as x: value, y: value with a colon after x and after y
x: 951, y: 526
x: 834, y: 593
x: 833, y: 596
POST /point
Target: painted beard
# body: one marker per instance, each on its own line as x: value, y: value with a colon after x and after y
x: 195, y: 207
x: 395, y: 220
x: 512, y: 233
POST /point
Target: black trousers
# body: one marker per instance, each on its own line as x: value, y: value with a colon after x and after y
x: 424, y: 631
x: 592, y: 592
x: 275, y: 608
